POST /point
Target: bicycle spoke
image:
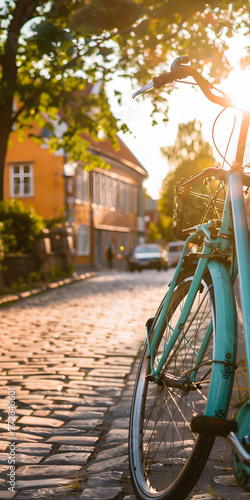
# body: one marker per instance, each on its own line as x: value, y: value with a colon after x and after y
x: 168, y: 403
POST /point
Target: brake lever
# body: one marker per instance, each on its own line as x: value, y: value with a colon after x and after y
x: 175, y: 65
x: 149, y: 86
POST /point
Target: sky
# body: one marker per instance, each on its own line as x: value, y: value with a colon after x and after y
x: 185, y: 104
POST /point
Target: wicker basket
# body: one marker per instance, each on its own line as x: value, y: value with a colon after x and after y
x: 196, y: 202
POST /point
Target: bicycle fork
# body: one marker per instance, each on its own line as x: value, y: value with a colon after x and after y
x: 223, y: 363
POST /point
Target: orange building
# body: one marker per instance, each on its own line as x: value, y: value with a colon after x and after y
x: 104, y: 207
x: 35, y: 176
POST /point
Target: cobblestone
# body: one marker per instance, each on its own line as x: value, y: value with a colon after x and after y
x: 68, y: 458
x: 70, y: 356
x: 43, y: 493
x: 101, y: 493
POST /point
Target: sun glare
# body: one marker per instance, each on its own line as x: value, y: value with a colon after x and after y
x: 237, y: 86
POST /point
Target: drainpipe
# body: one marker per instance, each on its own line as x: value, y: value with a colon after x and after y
x: 140, y: 220
x: 91, y: 222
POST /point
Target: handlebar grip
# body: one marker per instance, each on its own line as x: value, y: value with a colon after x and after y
x: 160, y: 81
x: 177, y: 74
x: 183, y: 72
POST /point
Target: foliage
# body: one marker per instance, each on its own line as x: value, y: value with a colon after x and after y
x: 52, y: 51
x: 189, y: 155
x: 153, y: 234
x: 165, y: 227
x: 189, y: 143
x: 57, y: 272
x: 38, y: 278
x: 19, y: 226
x: 55, y: 222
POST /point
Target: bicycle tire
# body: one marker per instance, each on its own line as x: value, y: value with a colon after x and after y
x: 166, y: 458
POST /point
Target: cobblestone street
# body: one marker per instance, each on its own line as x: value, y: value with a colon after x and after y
x: 67, y: 360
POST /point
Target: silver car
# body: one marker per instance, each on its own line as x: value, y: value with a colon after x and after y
x: 174, y: 249
x: 148, y: 256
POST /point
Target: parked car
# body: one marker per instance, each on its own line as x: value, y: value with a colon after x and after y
x: 174, y: 249
x: 148, y: 256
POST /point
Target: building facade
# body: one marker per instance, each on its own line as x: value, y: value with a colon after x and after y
x: 104, y: 207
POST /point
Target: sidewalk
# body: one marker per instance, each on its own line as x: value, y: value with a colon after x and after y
x: 9, y: 298
x: 82, y: 272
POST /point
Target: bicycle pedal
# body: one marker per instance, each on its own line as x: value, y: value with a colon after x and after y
x: 212, y: 425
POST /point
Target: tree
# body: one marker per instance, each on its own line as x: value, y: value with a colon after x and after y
x: 41, y: 66
x: 189, y: 155
x: 189, y: 143
x: 165, y: 228
x: 154, y: 235
x: 51, y: 49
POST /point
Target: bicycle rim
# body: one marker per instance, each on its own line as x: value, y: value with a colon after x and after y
x: 166, y: 457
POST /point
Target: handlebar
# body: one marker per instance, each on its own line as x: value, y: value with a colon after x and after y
x: 180, y: 71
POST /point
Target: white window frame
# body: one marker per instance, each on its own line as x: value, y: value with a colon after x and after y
x: 85, y: 185
x: 21, y: 175
x: 82, y: 184
x: 83, y: 240
x: 96, y: 188
x: 103, y: 201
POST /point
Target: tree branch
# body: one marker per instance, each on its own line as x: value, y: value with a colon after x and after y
x: 102, y: 40
x: 15, y: 115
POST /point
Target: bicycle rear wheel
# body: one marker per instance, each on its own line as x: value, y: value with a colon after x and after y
x: 166, y: 457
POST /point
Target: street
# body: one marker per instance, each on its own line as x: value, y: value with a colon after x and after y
x: 67, y: 370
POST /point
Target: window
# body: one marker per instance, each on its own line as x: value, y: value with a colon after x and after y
x: 121, y: 195
x: 108, y: 190
x: 126, y: 198
x: 82, y: 184
x: 114, y: 193
x: 83, y: 240
x: 21, y: 180
x: 96, y: 188
x: 133, y: 199
x: 102, y: 190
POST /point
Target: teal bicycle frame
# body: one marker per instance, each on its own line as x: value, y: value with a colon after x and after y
x: 233, y: 229
x: 225, y: 255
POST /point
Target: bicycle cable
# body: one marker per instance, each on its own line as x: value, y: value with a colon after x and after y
x: 229, y: 140
x: 221, y: 185
x: 213, y: 137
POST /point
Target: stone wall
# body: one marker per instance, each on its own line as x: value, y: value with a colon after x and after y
x: 52, y: 249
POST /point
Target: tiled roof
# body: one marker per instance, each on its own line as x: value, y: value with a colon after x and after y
x: 105, y: 147
x: 123, y: 155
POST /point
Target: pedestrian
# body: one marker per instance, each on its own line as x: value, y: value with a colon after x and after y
x: 110, y: 256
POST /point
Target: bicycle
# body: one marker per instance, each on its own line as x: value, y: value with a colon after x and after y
x: 185, y: 378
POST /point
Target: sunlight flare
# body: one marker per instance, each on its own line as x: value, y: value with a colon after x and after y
x: 237, y: 86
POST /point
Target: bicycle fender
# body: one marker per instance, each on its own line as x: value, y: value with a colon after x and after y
x: 224, y: 363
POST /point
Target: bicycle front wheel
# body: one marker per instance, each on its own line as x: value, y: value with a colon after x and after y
x: 166, y: 457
